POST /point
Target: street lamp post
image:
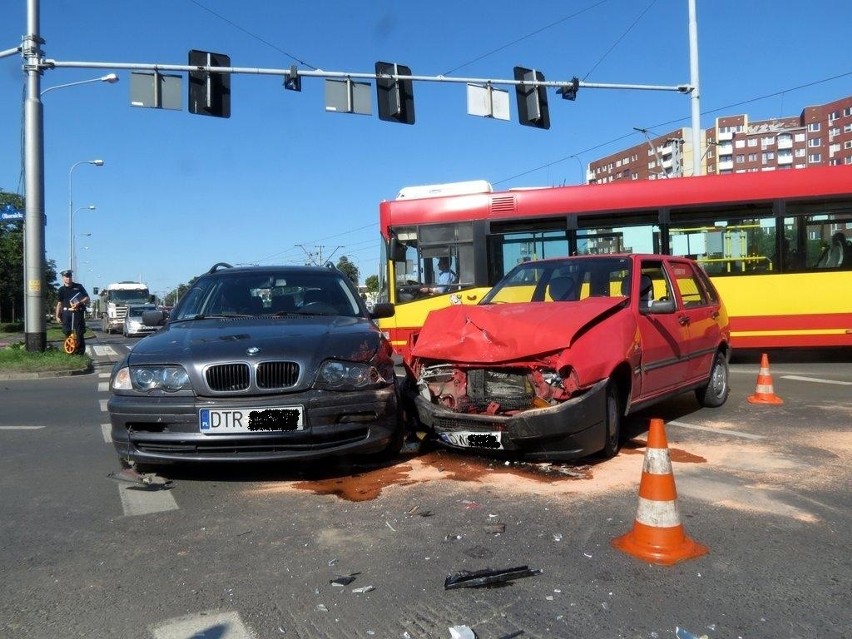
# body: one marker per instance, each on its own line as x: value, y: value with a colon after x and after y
x: 110, y: 78
x: 73, y: 247
x: 71, y: 207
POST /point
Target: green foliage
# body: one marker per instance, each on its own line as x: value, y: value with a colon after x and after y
x: 372, y: 283
x: 348, y: 268
x: 12, y: 265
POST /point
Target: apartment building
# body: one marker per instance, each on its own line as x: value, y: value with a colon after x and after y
x: 821, y: 135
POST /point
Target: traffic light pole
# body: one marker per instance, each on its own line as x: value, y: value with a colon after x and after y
x: 287, y: 73
x: 35, y: 64
x: 35, y: 337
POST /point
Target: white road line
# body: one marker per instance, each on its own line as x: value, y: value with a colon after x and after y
x: 145, y: 502
x: 104, y: 351
x: 103, y: 375
x: 103, y: 403
x: 103, y: 387
x: 21, y: 427
x: 106, y: 429
x: 718, y: 431
x: 817, y: 380
x: 226, y: 625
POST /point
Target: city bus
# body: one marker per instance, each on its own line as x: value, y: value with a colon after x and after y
x: 775, y: 243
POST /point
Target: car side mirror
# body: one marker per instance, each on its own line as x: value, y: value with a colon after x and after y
x: 658, y: 307
x: 153, y: 318
x: 382, y: 310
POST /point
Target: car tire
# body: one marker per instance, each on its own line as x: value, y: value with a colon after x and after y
x: 715, y: 392
x: 612, y: 422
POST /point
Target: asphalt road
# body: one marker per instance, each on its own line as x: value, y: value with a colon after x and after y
x: 230, y: 554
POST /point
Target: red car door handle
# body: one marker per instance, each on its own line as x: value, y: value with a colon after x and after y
x: 714, y: 314
x: 683, y: 320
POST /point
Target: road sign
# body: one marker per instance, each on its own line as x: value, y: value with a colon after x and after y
x: 10, y: 214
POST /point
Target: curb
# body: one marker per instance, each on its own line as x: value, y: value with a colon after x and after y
x: 8, y: 376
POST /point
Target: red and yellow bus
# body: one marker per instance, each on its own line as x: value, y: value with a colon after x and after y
x: 774, y: 243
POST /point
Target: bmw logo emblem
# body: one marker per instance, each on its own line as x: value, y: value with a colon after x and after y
x: 251, y: 352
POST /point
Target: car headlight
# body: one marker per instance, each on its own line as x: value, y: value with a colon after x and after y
x: 340, y: 375
x: 147, y: 378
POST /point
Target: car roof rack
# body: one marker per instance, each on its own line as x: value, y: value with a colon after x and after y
x: 217, y: 265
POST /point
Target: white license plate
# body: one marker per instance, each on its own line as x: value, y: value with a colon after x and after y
x: 468, y: 439
x: 250, y: 420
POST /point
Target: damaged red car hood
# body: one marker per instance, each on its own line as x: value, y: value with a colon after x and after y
x: 497, y: 333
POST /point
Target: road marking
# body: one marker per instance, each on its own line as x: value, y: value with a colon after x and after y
x: 735, y: 433
x: 104, y: 351
x: 106, y: 429
x: 103, y: 387
x: 103, y: 375
x: 817, y: 380
x: 146, y: 502
x: 21, y: 427
x: 226, y: 625
x: 103, y: 403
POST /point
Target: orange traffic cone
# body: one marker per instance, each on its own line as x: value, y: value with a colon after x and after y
x: 657, y: 535
x: 764, y: 393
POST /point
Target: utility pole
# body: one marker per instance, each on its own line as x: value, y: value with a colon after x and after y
x: 35, y: 336
x: 695, y: 94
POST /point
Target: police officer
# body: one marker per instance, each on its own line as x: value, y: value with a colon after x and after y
x: 71, y: 309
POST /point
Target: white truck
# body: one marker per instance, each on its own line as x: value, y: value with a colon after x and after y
x: 114, y: 300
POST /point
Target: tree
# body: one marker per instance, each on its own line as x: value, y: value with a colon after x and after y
x: 348, y: 268
x: 11, y: 262
x: 12, y: 265
x: 372, y: 283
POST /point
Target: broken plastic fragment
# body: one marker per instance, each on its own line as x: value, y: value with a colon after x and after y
x: 343, y: 580
x: 680, y: 633
x: 140, y: 481
x: 487, y: 577
x: 363, y: 589
x: 462, y: 632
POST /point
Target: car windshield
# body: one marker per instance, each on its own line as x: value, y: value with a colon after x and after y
x: 565, y: 280
x: 268, y: 293
x: 136, y: 311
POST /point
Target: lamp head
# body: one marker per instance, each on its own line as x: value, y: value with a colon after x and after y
x: 96, y: 162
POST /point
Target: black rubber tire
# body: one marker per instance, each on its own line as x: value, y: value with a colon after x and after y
x: 612, y: 421
x: 716, y: 391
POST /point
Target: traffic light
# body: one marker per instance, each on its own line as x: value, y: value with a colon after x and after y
x: 292, y: 80
x: 532, y: 99
x: 209, y: 92
x: 570, y: 92
x: 395, y: 97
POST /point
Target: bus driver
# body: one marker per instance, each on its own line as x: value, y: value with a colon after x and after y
x: 446, y: 277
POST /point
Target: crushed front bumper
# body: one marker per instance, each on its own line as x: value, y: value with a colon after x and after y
x: 570, y: 430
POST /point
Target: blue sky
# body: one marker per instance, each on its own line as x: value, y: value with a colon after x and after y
x: 281, y: 177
